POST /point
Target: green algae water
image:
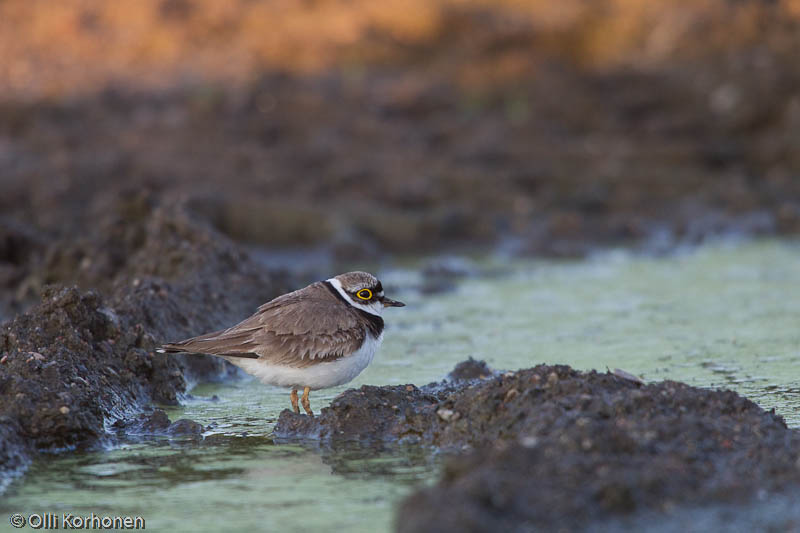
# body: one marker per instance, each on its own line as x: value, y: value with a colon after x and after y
x: 724, y: 316
x: 721, y: 316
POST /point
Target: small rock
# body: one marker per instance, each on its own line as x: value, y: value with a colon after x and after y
x: 34, y: 356
x: 510, y: 395
x: 152, y: 423
x: 446, y: 414
x: 185, y: 426
x: 3, y: 359
x: 552, y: 379
x: 627, y: 376
x: 470, y: 369
x: 64, y: 410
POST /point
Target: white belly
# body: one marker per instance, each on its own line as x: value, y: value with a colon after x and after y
x: 319, y: 376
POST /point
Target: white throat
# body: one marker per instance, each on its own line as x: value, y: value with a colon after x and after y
x: 375, y: 308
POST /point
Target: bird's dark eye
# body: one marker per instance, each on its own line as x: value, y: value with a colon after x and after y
x: 364, y: 294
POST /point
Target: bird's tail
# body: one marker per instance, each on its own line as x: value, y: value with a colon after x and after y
x: 171, y: 348
x: 206, y: 345
x: 188, y: 345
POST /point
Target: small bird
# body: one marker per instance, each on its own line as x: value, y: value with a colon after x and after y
x: 314, y: 338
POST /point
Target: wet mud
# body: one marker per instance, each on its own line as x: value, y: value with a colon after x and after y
x: 76, y: 367
x: 553, y: 447
x: 156, y: 423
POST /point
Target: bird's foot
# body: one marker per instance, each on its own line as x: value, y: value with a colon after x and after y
x: 306, y: 402
x: 294, y: 402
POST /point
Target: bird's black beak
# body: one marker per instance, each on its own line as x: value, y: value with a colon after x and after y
x: 388, y: 302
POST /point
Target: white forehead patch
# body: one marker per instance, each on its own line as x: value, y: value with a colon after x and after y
x: 374, y: 308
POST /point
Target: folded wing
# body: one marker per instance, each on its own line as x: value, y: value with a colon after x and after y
x: 294, y: 330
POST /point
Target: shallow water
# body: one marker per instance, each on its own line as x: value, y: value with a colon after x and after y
x: 725, y: 315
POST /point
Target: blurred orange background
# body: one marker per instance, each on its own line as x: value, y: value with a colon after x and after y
x: 53, y: 48
x: 406, y: 125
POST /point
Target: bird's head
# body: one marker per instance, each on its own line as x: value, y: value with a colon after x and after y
x: 364, y: 291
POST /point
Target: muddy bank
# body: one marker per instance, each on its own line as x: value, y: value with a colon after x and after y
x: 83, y: 359
x: 550, y: 446
x: 74, y: 363
x: 646, y: 160
x: 473, y: 132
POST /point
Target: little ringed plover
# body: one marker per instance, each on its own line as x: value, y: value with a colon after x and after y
x: 314, y: 338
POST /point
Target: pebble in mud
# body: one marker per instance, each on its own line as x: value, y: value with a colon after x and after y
x: 470, y: 369
x: 155, y: 423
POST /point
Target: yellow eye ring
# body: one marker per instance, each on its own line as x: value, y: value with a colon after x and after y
x: 364, y: 294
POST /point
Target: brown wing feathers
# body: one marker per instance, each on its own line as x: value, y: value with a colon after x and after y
x: 295, y: 329
x: 229, y: 343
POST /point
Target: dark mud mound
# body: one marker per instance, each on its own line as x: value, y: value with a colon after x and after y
x: 388, y: 413
x: 561, y: 448
x: 153, y: 260
x: 594, y: 159
x: 84, y: 359
x: 431, y: 147
x: 73, y: 363
x: 553, y: 446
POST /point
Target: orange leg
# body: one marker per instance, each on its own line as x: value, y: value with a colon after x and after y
x: 306, y: 402
x: 294, y: 401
